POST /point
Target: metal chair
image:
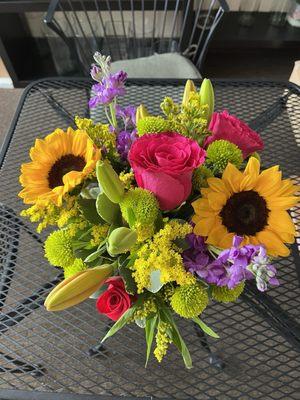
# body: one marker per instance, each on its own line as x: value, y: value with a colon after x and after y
x: 130, y: 29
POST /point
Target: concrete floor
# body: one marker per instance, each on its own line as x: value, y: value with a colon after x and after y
x: 9, y: 99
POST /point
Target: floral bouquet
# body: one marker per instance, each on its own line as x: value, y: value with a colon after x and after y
x: 157, y: 216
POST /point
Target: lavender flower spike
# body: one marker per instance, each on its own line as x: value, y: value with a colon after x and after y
x: 263, y: 270
x: 108, y: 89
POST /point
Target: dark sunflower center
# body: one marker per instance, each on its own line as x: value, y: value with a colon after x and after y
x: 245, y: 213
x: 62, y: 166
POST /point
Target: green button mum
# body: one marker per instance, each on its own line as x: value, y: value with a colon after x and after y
x: 189, y: 301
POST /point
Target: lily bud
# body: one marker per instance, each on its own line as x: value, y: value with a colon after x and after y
x: 121, y: 240
x: 141, y: 112
x: 109, y: 181
x: 77, y: 288
x: 189, y: 88
x: 107, y: 210
x: 207, y: 97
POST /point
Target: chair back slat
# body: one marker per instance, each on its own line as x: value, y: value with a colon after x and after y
x: 130, y: 28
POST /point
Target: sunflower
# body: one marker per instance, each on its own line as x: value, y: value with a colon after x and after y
x: 249, y: 204
x: 59, y: 163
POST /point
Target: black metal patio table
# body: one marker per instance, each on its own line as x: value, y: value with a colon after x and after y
x: 257, y: 355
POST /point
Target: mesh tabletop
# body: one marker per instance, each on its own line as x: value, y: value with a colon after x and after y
x: 259, y: 341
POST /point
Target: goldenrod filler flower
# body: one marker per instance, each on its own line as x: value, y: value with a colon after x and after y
x: 249, y: 204
x: 189, y: 301
x: 225, y: 295
x: 161, y: 253
x: 99, y: 133
x: 58, y: 249
x: 140, y: 209
x: 99, y: 233
x: 162, y: 341
x: 60, y: 162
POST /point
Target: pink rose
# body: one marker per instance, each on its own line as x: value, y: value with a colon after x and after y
x: 163, y: 163
x: 228, y: 127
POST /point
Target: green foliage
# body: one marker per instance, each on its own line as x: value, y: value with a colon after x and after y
x: 206, y: 329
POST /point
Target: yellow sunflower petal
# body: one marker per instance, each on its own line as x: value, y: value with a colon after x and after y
x: 218, y: 185
x: 232, y: 177
x: 226, y: 241
x: 201, y: 205
x: 274, y: 245
x: 281, y: 203
x: 253, y: 167
x: 204, y: 226
x: 281, y: 221
x: 216, y: 235
x: 216, y: 200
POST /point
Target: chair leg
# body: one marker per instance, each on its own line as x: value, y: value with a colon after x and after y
x: 99, y: 348
x: 213, y: 358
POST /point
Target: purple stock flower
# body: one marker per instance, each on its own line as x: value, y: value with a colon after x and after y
x: 124, y: 142
x: 109, y: 87
x: 264, y: 272
x: 236, y: 259
x: 96, y: 73
x: 128, y: 115
x: 232, y: 266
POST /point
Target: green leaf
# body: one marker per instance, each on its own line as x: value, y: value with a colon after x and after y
x: 151, y: 324
x: 176, y: 337
x: 96, y: 254
x: 107, y: 210
x: 124, y: 319
x: 206, y: 328
x: 88, y: 209
x: 126, y: 274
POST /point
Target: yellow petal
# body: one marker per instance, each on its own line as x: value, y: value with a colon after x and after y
x: 281, y: 203
x: 273, y: 243
x: 232, y: 177
x: 216, y: 235
x: 282, y: 222
x: 253, y: 167
x: 218, y: 185
x: 200, y: 205
x: 226, y: 241
x: 204, y: 226
x: 217, y: 200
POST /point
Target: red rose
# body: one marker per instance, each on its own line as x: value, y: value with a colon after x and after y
x: 163, y: 163
x: 228, y: 127
x: 115, y: 300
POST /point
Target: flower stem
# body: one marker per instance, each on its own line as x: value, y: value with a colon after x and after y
x: 113, y: 114
x: 108, y: 117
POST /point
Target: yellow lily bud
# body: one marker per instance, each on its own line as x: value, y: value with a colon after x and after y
x: 141, y: 112
x: 207, y: 97
x: 109, y: 181
x: 189, y: 88
x: 121, y: 240
x: 77, y: 288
